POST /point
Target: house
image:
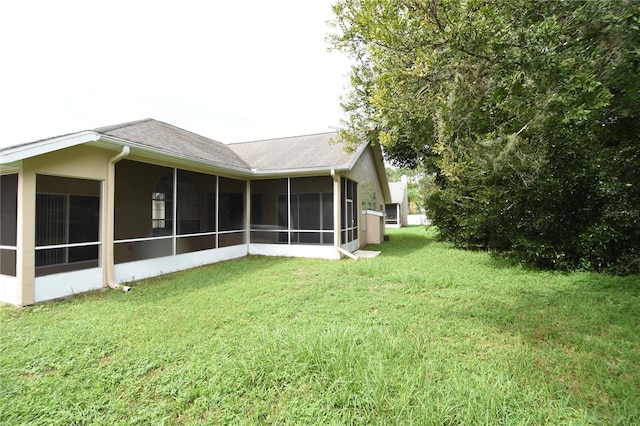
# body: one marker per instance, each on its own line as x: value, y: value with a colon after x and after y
x: 397, y: 211
x: 120, y: 203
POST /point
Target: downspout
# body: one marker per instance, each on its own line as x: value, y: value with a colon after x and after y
x: 336, y: 217
x: 109, y: 221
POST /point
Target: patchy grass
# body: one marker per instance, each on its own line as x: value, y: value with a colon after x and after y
x: 422, y: 334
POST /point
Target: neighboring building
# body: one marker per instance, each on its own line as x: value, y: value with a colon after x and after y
x: 396, y: 212
x: 121, y: 203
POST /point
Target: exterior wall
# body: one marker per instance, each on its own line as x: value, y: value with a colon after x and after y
x: 365, y: 172
x: 93, y: 163
x: 297, y: 250
x: 10, y: 290
x: 132, y: 271
x: 82, y: 162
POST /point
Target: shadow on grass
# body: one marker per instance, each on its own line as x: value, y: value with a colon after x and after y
x: 181, y: 284
x: 404, y: 241
x: 569, y: 310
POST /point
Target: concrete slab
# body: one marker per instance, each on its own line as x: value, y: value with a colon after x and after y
x: 366, y: 254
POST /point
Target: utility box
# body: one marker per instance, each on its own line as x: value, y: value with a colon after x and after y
x: 375, y: 226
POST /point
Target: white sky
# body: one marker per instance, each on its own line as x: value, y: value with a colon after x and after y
x: 229, y: 70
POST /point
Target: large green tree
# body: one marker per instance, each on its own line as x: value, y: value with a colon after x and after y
x: 527, y: 111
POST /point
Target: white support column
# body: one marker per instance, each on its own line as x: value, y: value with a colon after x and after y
x: 336, y: 209
x: 26, y: 242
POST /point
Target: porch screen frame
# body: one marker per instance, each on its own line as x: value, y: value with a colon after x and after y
x: 68, y: 224
x: 202, y: 212
x: 280, y: 222
x: 349, y: 229
x: 8, y: 224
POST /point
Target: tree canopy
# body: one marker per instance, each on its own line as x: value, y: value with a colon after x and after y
x: 526, y: 111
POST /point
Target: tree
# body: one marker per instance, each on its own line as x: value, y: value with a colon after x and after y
x: 527, y: 113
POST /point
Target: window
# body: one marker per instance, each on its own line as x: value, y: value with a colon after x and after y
x: 162, y: 206
x: 67, y: 224
x: 158, y: 210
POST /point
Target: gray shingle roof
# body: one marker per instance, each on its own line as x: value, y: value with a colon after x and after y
x: 295, y: 153
x: 174, y: 140
x: 292, y: 154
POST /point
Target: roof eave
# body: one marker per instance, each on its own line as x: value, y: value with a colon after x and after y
x: 22, y: 152
x: 315, y: 171
x: 162, y: 155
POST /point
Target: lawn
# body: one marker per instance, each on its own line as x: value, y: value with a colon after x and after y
x: 422, y: 334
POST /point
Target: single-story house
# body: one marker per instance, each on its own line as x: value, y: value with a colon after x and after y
x: 396, y: 212
x: 116, y: 204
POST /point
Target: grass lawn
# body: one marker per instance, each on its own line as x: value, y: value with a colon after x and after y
x: 422, y: 334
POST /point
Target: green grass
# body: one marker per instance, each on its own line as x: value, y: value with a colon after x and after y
x: 422, y: 334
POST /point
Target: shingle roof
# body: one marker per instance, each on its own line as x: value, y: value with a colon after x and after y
x: 300, y: 153
x: 174, y: 140
x: 295, y: 153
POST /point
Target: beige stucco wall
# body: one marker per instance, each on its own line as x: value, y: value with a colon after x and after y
x: 82, y: 162
x: 365, y: 171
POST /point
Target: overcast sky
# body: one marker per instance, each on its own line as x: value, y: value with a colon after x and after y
x: 229, y: 70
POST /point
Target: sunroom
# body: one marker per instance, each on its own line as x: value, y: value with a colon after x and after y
x: 118, y: 204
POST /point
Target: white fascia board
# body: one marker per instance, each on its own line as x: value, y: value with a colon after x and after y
x: 184, y: 160
x: 21, y: 152
x: 317, y: 171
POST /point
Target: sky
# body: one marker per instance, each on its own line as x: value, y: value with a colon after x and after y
x: 228, y: 70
